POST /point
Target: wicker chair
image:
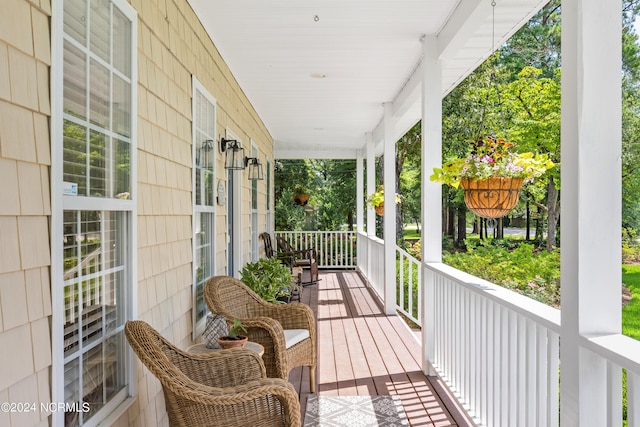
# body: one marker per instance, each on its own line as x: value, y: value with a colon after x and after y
x: 221, y: 388
x: 277, y: 327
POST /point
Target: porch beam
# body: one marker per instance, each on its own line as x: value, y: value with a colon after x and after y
x: 389, y: 219
x: 431, y: 191
x: 590, y: 200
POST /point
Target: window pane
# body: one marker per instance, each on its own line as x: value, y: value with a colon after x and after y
x: 75, y: 155
x: 203, y: 258
x: 114, y: 364
x: 100, y: 95
x: 75, y: 19
x: 101, y: 29
x: 92, y: 380
x: 121, y: 103
x: 75, y: 82
x: 98, y: 186
x: 121, y: 43
x: 122, y: 169
x: 72, y: 391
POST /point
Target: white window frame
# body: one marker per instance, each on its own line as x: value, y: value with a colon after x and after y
x: 60, y: 203
x: 199, y: 324
x: 254, y: 223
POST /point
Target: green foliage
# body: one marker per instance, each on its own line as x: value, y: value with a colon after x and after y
x: 630, y: 246
x: 267, y: 277
x: 236, y: 328
x: 531, y: 273
x: 331, y: 184
x: 288, y: 215
x: 377, y: 197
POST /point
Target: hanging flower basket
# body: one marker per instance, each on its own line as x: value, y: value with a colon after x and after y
x: 376, y: 200
x: 493, y: 197
x: 492, y: 175
x: 301, y: 199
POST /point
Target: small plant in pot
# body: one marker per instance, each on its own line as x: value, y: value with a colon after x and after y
x: 233, y: 338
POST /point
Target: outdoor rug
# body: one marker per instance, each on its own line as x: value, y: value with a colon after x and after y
x: 354, y: 411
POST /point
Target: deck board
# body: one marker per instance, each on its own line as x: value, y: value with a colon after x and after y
x: 361, y: 351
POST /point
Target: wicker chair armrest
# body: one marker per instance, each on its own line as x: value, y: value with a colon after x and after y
x: 244, y: 393
x: 308, y: 253
x: 223, y: 368
x: 266, y: 331
x: 294, y: 315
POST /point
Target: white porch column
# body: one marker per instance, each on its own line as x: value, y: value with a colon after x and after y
x: 591, y: 201
x: 431, y: 191
x: 389, y: 219
x: 371, y: 183
x: 359, y: 193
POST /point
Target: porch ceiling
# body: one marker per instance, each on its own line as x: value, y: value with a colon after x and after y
x: 369, y: 51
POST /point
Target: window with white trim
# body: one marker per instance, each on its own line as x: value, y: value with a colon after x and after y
x: 204, y: 159
x: 94, y: 208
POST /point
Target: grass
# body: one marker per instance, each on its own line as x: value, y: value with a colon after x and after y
x: 631, y: 311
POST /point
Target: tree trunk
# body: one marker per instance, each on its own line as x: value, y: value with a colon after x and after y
x: 528, y: 219
x: 553, y: 212
x: 350, y: 220
x: 462, y: 225
x: 499, y: 228
x: 451, y: 216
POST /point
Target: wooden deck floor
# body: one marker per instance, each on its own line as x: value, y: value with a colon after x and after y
x: 361, y: 351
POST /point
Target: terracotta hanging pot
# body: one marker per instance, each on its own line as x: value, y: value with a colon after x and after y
x: 301, y: 199
x: 379, y: 209
x: 493, y: 197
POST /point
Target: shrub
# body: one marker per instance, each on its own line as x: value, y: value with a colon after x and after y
x: 268, y: 278
x: 535, y: 274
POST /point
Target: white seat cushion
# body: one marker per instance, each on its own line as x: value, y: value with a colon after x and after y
x: 294, y: 336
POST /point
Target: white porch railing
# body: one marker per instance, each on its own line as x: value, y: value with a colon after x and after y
x: 498, y: 351
x: 371, y: 261
x: 409, y: 285
x: 336, y: 249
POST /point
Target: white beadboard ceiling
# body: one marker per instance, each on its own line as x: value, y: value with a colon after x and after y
x: 368, y: 50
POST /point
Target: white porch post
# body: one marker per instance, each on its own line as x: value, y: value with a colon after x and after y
x: 371, y: 183
x: 431, y: 191
x: 359, y: 193
x: 591, y: 201
x: 389, y: 221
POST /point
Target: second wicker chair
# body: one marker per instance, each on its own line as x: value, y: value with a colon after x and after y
x: 287, y: 332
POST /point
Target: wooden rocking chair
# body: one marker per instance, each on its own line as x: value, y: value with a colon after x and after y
x: 301, y: 258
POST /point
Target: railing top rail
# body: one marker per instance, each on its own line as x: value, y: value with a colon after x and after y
x: 316, y: 232
x: 407, y: 254
x: 548, y: 317
x: 622, y: 350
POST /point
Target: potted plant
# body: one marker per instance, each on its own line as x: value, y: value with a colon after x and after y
x: 268, y: 278
x: 492, y: 175
x: 233, y: 337
x: 376, y: 200
x: 300, y: 195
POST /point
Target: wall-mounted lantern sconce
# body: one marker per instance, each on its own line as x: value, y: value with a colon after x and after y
x: 255, y: 168
x: 235, y: 154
